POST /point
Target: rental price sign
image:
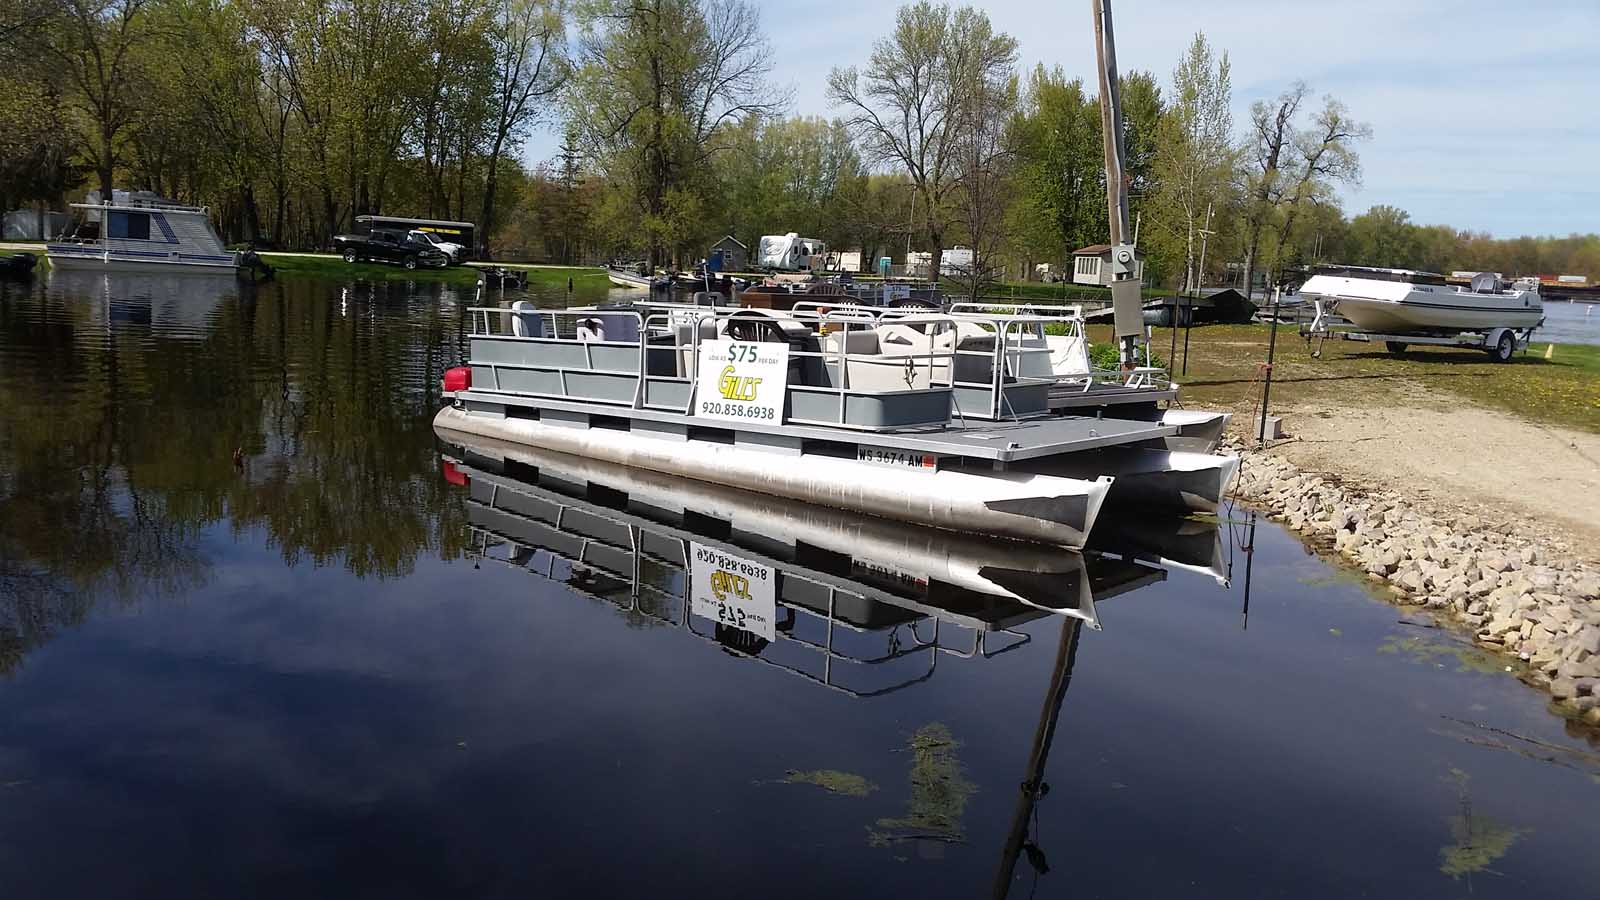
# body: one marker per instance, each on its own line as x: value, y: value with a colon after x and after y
x: 732, y: 591
x: 742, y: 381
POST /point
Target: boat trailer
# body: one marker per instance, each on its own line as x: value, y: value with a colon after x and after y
x: 1500, y: 343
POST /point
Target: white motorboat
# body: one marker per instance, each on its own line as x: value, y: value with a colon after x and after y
x: 141, y: 231
x: 1402, y: 301
x: 634, y: 275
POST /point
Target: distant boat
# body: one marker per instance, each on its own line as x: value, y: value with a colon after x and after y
x: 633, y: 275
x: 144, y: 232
x: 1402, y: 301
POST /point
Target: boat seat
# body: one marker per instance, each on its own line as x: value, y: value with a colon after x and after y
x: 525, y: 320
x: 1069, y: 355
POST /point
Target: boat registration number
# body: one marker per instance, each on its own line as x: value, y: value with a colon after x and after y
x: 733, y: 591
x: 897, y: 459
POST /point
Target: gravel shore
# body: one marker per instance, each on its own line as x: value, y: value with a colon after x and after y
x: 1539, y: 609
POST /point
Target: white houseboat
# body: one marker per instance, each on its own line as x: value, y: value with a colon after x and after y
x: 144, y: 232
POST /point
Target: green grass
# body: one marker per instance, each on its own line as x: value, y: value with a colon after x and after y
x: 43, y: 265
x: 1034, y: 290
x: 332, y: 267
x: 1225, y: 361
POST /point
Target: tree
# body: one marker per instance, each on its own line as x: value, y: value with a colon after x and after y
x: 1059, y: 200
x: 787, y: 175
x: 1194, y: 155
x: 1271, y: 130
x: 92, y: 40
x: 903, y: 107
x: 530, y: 67
x: 658, y: 84
x: 983, y: 158
x: 1142, y: 112
x: 1293, y: 166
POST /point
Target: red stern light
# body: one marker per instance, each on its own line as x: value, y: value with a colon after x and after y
x: 457, y: 379
x: 454, y: 475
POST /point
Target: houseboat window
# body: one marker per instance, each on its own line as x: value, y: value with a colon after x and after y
x: 133, y: 225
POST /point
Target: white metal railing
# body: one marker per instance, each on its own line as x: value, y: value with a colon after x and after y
x: 589, y: 328
x: 1145, y: 377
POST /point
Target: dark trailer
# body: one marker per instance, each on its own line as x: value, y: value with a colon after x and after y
x: 463, y: 233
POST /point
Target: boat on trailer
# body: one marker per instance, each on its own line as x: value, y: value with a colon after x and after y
x: 146, y: 232
x: 920, y: 417
x: 1402, y: 301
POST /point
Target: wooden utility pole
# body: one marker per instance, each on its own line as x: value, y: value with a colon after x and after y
x: 1105, y: 51
x: 1126, y: 306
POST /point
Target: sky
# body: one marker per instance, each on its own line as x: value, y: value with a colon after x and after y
x: 1485, y: 113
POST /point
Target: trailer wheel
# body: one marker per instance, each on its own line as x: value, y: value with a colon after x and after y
x: 350, y: 255
x: 1503, y: 348
x: 1395, y: 347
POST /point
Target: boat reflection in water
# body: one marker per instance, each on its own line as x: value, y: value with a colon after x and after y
x: 860, y: 605
x: 782, y: 581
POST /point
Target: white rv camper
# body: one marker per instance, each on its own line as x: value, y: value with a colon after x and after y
x: 792, y: 253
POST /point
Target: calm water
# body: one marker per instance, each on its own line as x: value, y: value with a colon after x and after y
x: 262, y: 635
x: 1571, y: 323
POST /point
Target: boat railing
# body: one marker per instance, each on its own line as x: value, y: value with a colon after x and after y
x: 648, y: 358
x: 837, y: 367
x: 850, y: 366
x: 146, y: 205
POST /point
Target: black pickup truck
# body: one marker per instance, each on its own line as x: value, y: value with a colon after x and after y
x: 387, y: 245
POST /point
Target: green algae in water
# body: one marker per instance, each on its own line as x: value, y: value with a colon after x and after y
x: 939, y: 792
x: 844, y: 784
x: 1423, y: 650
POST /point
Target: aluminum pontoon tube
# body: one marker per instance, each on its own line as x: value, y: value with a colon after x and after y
x: 1033, y: 507
x: 1199, y: 431
x: 1040, y: 577
x: 1152, y: 478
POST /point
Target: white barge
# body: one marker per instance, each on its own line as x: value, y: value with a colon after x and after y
x: 932, y: 419
x: 146, y: 233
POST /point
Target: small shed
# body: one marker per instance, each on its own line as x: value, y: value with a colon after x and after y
x: 729, y: 255
x: 1092, y: 265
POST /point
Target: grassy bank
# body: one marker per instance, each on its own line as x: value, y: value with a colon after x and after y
x: 1225, y: 362
x: 43, y: 265
x: 334, y: 268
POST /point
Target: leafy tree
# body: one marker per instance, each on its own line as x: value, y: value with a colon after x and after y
x: 658, y: 85
x: 1290, y: 166
x: 903, y: 107
x: 94, y: 42
x: 1059, y: 200
x: 530, y: 66
x: 1194, y: 157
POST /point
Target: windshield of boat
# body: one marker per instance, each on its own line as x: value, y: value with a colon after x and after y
x: 1405, y: 276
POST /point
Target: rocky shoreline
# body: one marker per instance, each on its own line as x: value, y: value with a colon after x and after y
x: 1540, y: 611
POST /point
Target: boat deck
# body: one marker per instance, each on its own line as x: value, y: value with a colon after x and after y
x: 1098, y: 395
x: 998, y: 441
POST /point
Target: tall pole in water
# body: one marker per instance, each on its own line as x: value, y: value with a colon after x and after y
x: 1127, y: 311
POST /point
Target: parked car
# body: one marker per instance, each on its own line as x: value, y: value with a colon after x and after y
x: 384, y: 245
x: 455, y: 251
